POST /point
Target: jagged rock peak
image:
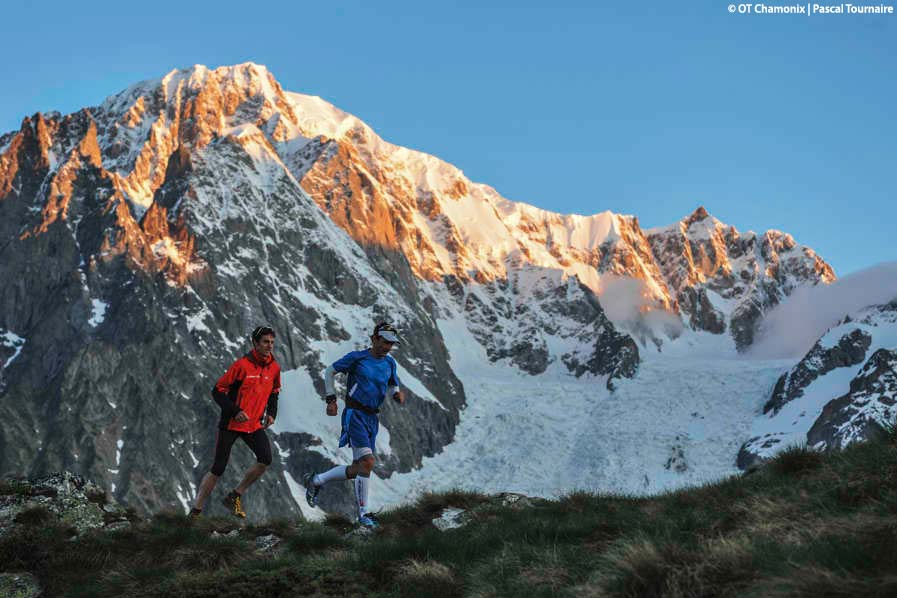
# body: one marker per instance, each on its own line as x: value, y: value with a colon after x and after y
x: 702, y: 224
x: 697, y: 216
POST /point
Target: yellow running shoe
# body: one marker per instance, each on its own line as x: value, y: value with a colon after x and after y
x: 233, y: 504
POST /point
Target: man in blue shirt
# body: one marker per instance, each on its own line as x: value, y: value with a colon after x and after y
x: 371, y: 378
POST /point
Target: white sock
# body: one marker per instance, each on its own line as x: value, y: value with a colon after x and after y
x: 361, y: 494
x: 331, y: 475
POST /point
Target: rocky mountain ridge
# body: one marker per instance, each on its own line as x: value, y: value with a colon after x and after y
x: 717, y: 278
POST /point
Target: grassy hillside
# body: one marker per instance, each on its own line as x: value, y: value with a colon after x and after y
x: 804, y: 525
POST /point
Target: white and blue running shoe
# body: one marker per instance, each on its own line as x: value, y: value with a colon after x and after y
x: 311, y: 490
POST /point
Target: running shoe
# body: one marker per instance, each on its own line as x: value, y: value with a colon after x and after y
x: 368, y: 521
x: 311, y: 490
x: 234, y: 504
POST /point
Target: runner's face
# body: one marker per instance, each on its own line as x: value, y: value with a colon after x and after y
x: 265, y: 345
x: 380, y: 346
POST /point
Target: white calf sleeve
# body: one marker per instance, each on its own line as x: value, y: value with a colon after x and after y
x: 361, y: 494
x: 331, y: 475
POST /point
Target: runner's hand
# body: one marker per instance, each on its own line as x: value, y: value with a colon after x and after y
x: 241, y: 417
x: 399, y: 398
x: 268, y: 421
x: 332, y: 408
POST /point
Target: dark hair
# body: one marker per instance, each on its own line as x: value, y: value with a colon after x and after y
x: 261, y: 331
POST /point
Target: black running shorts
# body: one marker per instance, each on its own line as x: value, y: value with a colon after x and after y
x: 257, y: 442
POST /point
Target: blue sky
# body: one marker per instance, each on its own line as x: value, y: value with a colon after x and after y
x: 651, y: 108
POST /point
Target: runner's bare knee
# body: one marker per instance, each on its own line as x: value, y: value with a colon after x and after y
x: 366, y: 464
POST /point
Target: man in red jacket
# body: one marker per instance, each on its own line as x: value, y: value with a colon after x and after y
x: 247, y: 394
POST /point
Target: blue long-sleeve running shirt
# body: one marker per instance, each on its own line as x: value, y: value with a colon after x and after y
x: 370, y: 379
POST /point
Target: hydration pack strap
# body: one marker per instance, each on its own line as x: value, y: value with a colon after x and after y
x: 353, y: 404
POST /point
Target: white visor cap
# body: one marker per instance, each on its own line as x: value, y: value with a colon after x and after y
x: 388, y: 335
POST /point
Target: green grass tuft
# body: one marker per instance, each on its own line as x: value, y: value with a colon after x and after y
x: 36, y: 515
x: 796, y: 460
x: 10, y: 487
x: 312, y: 538
x: 889, y: 432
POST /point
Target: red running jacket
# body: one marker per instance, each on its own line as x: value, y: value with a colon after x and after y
x: 251, y: 385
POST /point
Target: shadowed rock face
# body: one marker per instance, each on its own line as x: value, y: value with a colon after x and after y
x: 513, y: 318
x: 704, y: 316
x: 110, y: 381
x: 859, y: 413
x: 850, y: 350
x: 749, y: 453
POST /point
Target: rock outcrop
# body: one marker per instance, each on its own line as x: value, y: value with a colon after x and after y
x: 862, y: 412
x: 837, y: 394
x: 64, y: 498
x: 850, y: 350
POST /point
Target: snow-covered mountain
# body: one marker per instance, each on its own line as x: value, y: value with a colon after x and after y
x: 446, y: 226
x: 143, y: 237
